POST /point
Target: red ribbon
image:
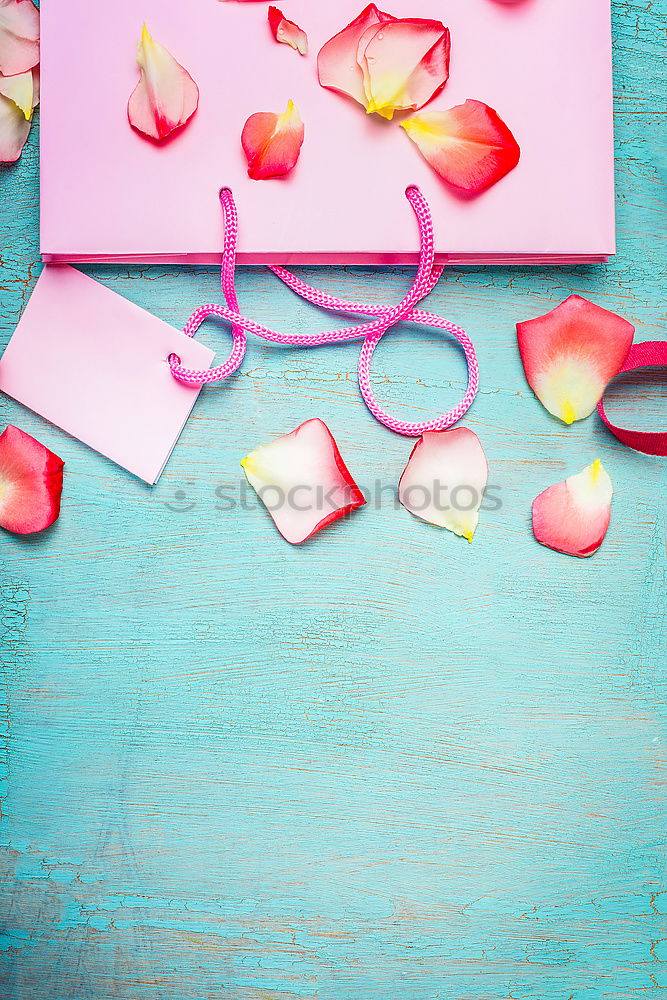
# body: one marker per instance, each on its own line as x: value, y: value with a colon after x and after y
x: 652, y: 352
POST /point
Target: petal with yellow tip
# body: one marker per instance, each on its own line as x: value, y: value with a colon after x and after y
x: 272, y: 143
x: 386, y: 63
x: 166, y: 96
x: 573, y: 516
x: 469, y: 146
x: 18, y: 97
x: 405, y: 63
x: 21, y: 90
x: 445, y: 479
x: 303, y: 481
x: 571, y: 354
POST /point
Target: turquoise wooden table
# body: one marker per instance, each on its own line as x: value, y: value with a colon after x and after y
x: 388, y: 765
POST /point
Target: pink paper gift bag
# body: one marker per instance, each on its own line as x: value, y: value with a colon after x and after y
x: 108, y: 193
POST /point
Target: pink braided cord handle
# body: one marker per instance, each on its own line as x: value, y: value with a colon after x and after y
x: 386, y: 316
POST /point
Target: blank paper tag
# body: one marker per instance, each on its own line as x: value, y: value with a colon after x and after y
x: 96, y: 365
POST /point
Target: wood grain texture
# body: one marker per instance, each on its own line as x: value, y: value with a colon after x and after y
x: 385, y: 765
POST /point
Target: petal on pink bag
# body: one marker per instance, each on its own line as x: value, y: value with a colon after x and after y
x: 287, y: 31
x: 272, y: 142
x: 469, y: 146
x: 166, y: 96
x: 385, y: 63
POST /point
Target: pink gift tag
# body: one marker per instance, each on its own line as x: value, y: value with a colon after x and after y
x: 96, y: 365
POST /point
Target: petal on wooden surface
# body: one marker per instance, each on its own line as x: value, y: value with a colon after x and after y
x: 19, y: 36
x: 571, y: 354
x: 445, y: 479
x: 573, y: 516
x: 303, y: 481
x: 31, y: 482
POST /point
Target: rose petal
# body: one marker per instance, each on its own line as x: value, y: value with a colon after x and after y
x: 337, y: 65
x: 571, y: 354
x: 272, y: 143
x: 287, y: 31
x: 166, y: 96
x: 19, y: 36
x: 573, y: 517
x: 21, y: 90
x: 14, y: 130
x: 31, y: 482
x: 444, y: 480
x: 405, y: 63
x: 303, y: 481
x: 469, y: 146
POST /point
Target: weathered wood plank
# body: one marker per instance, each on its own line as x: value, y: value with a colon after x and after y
x: 389, y: 764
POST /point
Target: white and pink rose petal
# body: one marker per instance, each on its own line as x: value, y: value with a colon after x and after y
x: 303, y: 481
x: 166, y: 96
x: 287, y: 32
x: 571, y: 354
x: 19, y: 36
x: 386, y: 64
x: 572, y: 517
x: 445, y: 479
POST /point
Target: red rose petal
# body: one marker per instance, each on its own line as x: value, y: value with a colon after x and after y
x: 287, y: 31
x: 573, y: 517
x: 31, y: 482
x: 405, y: 63
x: 469, y: 146
x: 571, y: 354
x: 272, y: 143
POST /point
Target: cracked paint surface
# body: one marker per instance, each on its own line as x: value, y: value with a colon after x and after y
x: 435, y: 775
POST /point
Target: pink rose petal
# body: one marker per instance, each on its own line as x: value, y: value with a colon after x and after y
x: 272, y: 143
x: 405, y: 63
x: 166, y: 96
x: 572, y: 517
x: 571, y: 354
x: 21, y: 90
x: 287, y: 31
x: 31, y: 482
x: 469, y: 145
x: 19, y: 36
x: 14, y: 130
x: 302, y: 480
x: 445, y: 479
x: 387, y: 64
x: 337, y: 65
